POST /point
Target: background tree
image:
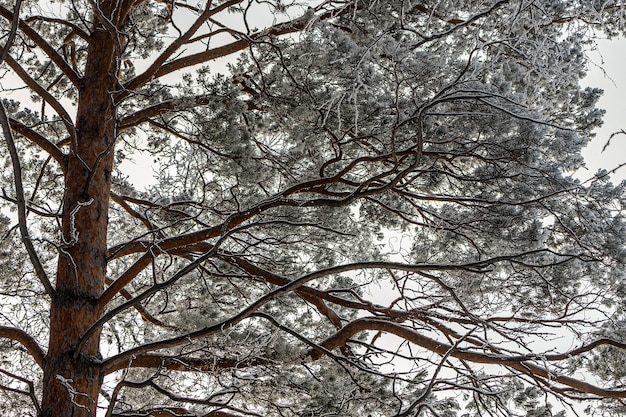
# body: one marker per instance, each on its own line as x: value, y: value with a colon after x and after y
x: 259, y: 275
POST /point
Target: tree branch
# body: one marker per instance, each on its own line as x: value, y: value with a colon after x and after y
x: 17, y: 175
x: 142, y: 311
x: 312, y: 296
x: 280, y: 199
x: 175, y: 363
x: 45, y: 95
x: 158, y: 62
x: 25, y: 340
x: 285, y: 28
x: 21, y: 203
x: 44, y: 45
x: 122, y: 203
x: 39, y: 140
x: 253, y: 307
x: 521, y: 364
x: 76, y: 30
x: 127, y: 276
x: 145, y: 114
x: 12, y: 32
x: 31, y: 388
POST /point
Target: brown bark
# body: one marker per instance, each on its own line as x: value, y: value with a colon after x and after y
x: 525, y: 365
x: 26, y: 340
x: 72, y: 379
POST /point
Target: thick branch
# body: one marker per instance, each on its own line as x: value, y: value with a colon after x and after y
x: 44, y: 45
x: 521, y: 363
x: 143, y: 115
x: 43, y: 93
x: 126, y: 277
x: 189, y: 61
x: 313, y: 296
x: 142, y: 311
x: 176, y: 242
x: 157, y: 63
x: 173, y: 363
x: 12, y: 32
x: 25, y: 340
x: 147, y: 293
x: 39, y: 140
x: 253, y: 307
x: 119, y: 200
x: 285, y: 28
x: 278, y: 200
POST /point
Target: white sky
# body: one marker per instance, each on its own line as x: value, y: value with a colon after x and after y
x: 612, y: 58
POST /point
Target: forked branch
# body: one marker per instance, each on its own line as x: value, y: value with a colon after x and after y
x: 164, y: 68
x: 252, y: 308
x: 522, y: 364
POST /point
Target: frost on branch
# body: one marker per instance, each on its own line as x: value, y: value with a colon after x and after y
x: 371, y: 210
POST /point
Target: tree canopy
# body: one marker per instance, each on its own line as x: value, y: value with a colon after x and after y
x: 359, y: 207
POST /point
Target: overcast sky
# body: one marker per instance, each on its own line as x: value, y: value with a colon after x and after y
x: 611, y: 57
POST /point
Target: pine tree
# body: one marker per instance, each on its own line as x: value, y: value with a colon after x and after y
x: 359, y: 208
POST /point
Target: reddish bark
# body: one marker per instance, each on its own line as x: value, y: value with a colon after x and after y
x: 72, y: 380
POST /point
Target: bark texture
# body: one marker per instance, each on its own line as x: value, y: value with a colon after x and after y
x: 72, y: 379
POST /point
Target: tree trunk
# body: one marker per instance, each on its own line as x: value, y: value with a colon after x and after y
x: 72, y: 380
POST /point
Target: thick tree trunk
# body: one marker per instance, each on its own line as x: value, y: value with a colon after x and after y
x: 72, y: 380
